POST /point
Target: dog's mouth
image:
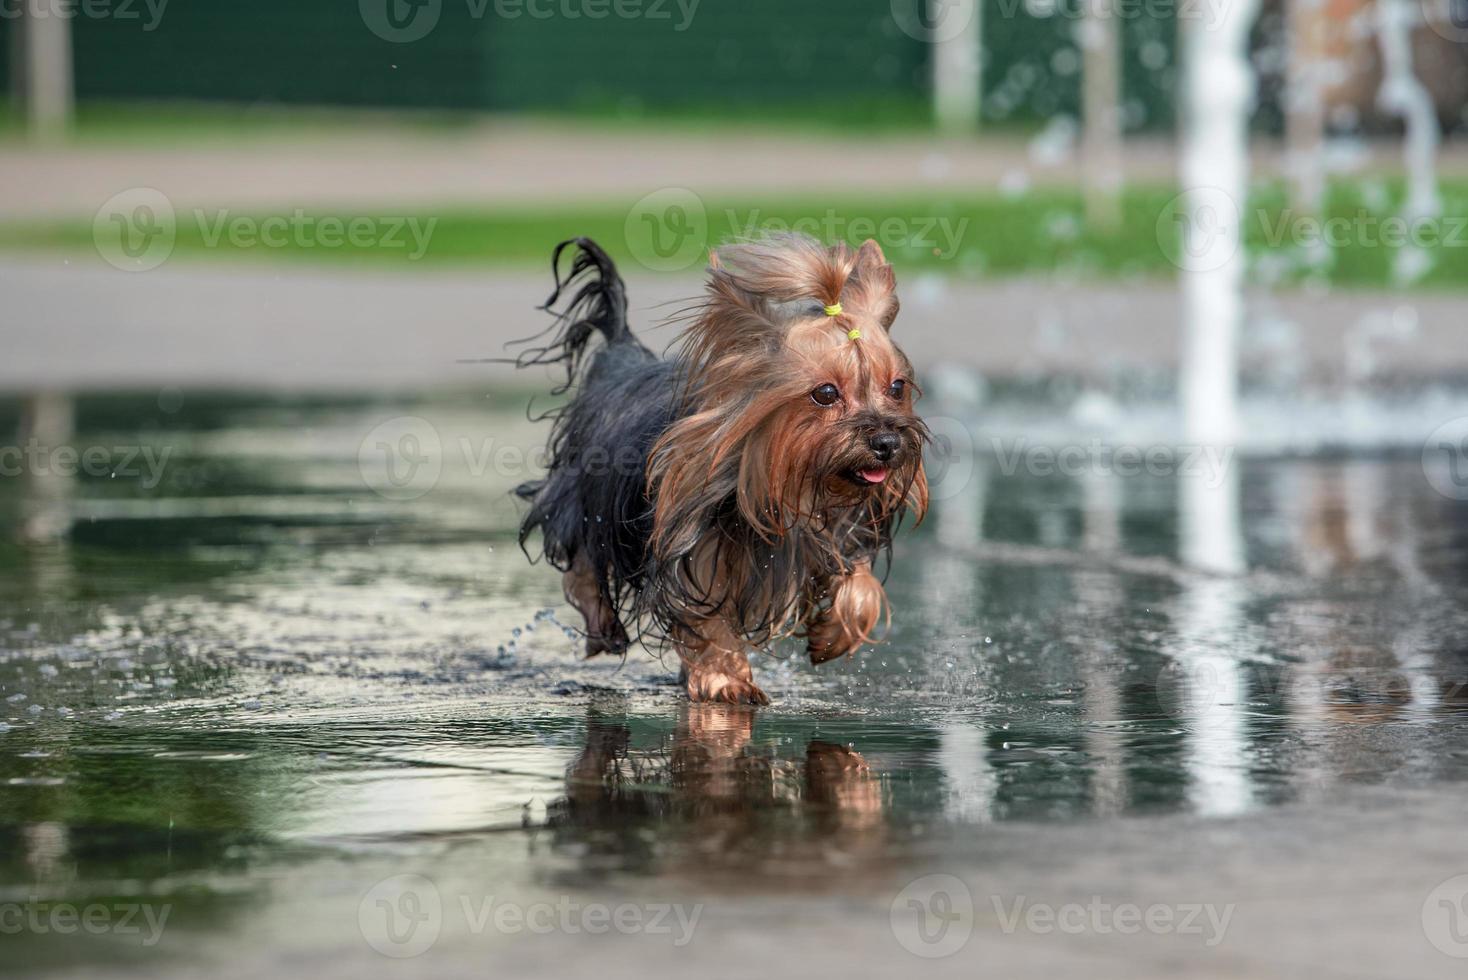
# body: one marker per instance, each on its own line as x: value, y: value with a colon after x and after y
x: 870, y: 475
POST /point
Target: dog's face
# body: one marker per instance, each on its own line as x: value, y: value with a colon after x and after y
x: 850, y: 432
x: 801, y: 403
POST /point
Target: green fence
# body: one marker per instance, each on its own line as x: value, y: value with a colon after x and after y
x: 506, y: 55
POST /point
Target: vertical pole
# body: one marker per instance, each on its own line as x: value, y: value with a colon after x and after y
x: 1101, y: 116
x: 955, y: 27
x: 46, y: 37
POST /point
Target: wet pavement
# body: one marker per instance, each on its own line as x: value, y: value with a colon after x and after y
x: 278, y: 687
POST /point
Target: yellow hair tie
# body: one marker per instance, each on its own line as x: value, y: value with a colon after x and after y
x: 854, y: 334
x: 833, y: 310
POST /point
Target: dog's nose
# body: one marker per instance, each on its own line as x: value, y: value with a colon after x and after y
x: 885, y: 444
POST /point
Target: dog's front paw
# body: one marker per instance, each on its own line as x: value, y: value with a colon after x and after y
x: 829, y: 640
x: 614, y: 641
x: 711, y: 685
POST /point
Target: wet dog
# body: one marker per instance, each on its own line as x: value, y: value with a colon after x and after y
x: 744, y: 487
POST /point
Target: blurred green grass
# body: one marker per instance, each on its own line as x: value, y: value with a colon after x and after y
x: 1040, y: 231
x: 183, y: 123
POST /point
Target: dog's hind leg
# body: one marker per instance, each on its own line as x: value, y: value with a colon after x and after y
x: 716, y: 666
x: 604, y: 631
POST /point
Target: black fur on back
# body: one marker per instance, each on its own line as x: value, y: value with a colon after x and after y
x: 594, y: 499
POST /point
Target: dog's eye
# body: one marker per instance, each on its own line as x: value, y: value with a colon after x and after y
x: 826, y: 395
x: 897, y: 389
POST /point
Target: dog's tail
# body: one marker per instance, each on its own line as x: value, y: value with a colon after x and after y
x: 598, y: 305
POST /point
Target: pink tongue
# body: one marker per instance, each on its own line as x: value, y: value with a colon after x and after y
x: 874, y: 476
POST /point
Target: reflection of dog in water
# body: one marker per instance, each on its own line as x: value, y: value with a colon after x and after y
x: 715, y: 795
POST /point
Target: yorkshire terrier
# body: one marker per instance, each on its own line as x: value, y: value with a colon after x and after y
x: 742, y: 488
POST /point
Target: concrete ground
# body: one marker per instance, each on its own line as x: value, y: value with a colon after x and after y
x: 76, y: 323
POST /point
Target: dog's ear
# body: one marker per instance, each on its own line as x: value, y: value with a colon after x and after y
x: 870, y: 256
x: 873, y: 283
x: 714, y: 261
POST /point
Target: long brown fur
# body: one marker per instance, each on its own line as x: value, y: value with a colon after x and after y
x: 761, y: 342
x: 774, y: 453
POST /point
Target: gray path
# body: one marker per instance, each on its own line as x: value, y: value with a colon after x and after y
x: 76, y: 322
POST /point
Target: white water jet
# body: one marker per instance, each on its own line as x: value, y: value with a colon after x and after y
x: 1215, y: 167
x: 1211, y: 632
